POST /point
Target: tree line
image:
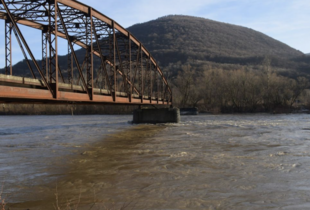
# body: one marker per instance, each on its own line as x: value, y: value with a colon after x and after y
x: 241, y: 90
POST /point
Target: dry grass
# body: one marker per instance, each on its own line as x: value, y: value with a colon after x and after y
x: 73, y: 204
x: 3, y: 204
x: 2, y: 200
x: 70, y: 204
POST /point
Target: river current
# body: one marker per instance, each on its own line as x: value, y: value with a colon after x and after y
x: 205, y: 162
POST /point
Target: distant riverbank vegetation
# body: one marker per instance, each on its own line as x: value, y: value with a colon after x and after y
x: 241, y: 90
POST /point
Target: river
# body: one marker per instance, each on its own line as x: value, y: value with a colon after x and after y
x: 257, y: 161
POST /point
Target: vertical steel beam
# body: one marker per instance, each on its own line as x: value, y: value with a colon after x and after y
x: 110, y: 58
x: 141, y: 77
x: 45, y: 52
x: 25, y: 44
x: 114, y: 61
x: 56, y: 95
x: 161, y: 87
x: 90, y: 57
x: 148, y: 70
x: 150, y: 81
x: 70, y: 66
x: 129, y: 69
x: 152, y: 66
x: 53, y: 65
x: 165, y: 93
x: 50, y: 44
x: 156, y: 83
x: 162, y: 90
x: 8, y: 47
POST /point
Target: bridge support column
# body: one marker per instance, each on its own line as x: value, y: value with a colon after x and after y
x: 163, y: 115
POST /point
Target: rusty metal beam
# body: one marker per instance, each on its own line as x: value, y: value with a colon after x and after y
x: 103, y: 63
x: 121, y: 69
x: 12, y: 93
x: 121, y: 54
x: 73, y: 52
x: 90, y: 57
x: 24, y: 53
x: 8, y: 47
x: 83, y: 45
x: 114, y: 60
x: 56, y: 10
x: 25, y: 44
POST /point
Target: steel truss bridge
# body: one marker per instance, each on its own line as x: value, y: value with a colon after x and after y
x: 112, y: 67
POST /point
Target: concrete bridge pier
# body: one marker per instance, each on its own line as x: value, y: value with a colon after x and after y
x: 152, y: 115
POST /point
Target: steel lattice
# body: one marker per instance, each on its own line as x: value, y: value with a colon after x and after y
x: 116, y: 67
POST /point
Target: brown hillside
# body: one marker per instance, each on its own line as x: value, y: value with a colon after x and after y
x: 202, y: 39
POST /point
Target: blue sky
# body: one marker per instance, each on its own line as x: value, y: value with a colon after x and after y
x: 284, y: 20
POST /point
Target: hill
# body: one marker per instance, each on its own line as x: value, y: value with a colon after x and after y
x: 178, y: 39
x: 174, y: 38
x: 265, y: 74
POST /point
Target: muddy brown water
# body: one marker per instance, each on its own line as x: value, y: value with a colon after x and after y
x: 205, y: 162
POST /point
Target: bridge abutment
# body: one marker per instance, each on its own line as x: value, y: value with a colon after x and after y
x: 162, y: 115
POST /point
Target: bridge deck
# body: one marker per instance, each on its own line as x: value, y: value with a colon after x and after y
x: 14, y: 89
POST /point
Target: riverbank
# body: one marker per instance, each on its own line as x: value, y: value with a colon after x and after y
x: 60, y: 109
x: 77, y: 109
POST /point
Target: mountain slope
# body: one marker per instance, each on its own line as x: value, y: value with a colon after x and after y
x: 178, y: 37
x: 184, y: 39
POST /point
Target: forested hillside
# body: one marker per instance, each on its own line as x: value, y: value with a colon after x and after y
x: 179, y: 38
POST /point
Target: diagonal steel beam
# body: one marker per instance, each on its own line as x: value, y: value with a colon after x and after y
x: 137, y: 64
x: 73, y: 52
x: 62, y: 77
x: 24, y: 53
x: 26, y: 45
x: 103, y: 64
x: 121, y: 66
x: 83, y: 65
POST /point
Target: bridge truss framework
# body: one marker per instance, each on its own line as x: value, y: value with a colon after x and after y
x: 112, y: 67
